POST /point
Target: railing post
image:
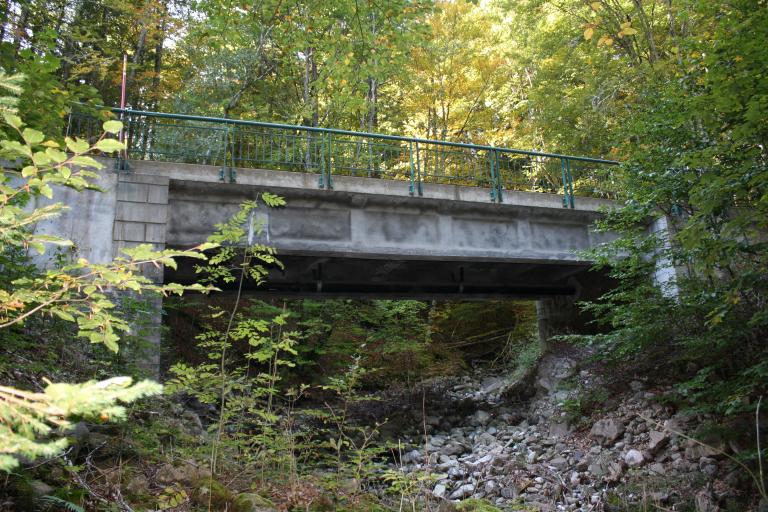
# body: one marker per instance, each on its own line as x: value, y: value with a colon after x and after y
x: 231, y: 135
x: 411, y: 188
x: 227, y: 172
x: 330, y: 160
x: 418, y: 171
x: 570, y: 183
x: 321, y: 180
x: 565, y: 168
x: 121, y: 164
x: 495, y: 185
x: 499, y: 184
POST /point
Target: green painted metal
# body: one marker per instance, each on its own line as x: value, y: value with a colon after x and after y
x: 411, y: 188
x: 327, y: 152
x: 565, y: 183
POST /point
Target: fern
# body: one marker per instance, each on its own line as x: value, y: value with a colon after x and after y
x: 51, y: 503
x: 12, y: 84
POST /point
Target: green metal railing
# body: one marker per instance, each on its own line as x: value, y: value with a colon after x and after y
x: 230, y: 144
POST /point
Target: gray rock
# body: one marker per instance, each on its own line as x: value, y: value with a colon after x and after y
x: 708, y: 466
x: 553, y: 370
x: 509, y: 493
x: 185, y: 474
x: 492, y: 385
x: 452, y: 448
x: 439, y: 491
x: 615, y: 472
x: 559, y: 429
x: 597, y: 469
x: 634, y: 458
x: 437, y: 441
x: 251, y: 502
x: 412, y: 457
x: 464, y: 491
x: 38, y: 488
x: 695, y: 451
x: 607, y: 431
x: 485, y: 439
x: 657, y: 440
x: 480, y: 418
x: 559, y: 463
x: 705, y: 502
x: 192, y: 423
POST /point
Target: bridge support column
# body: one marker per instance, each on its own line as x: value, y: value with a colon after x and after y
x: 556, y: 315
x: 561, y: 314
x: 141, y: 217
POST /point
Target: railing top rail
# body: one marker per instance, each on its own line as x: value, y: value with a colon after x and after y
x: 381, y: 136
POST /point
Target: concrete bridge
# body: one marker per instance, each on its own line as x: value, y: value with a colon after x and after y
x: 364, y: 238
x: 367, y: 215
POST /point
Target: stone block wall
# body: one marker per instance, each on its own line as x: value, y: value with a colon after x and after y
x: 141, y: 213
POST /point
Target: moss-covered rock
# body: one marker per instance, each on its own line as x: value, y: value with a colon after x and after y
x: 475, y: 505
x: 214, y: 493
x: 251, y: 502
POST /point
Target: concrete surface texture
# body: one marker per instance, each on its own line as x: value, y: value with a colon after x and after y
x: 366, y: 237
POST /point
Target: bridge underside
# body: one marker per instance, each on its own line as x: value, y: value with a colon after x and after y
x: 338, y: 276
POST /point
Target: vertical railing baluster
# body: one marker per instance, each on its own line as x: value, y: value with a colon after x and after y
x: 499, y: 183
x: 493, y: 175
x: 570, y: 182
x: 565, y: 183
x: 411, y: 189
x: 418, y: 171
x: 330, y: 160
x: 370, y: 158
x: 321, y: 183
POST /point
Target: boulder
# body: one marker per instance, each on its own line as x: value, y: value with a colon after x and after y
x: 559, y: 429
x: 607, y: 431
x: 187, y: 473
x: 657, y: 440
x: 251, y: 502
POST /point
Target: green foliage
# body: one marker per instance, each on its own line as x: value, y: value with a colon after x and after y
x: 75, y: 292
x: 53, y: 502
x: 475, y: 505
x: 28, y: 416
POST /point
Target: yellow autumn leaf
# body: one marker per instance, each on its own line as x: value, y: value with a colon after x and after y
x: 629, y: 31
x: 605, y: 40
x: 588, y: 33
x: 595, y: 6
x: 626, y: 24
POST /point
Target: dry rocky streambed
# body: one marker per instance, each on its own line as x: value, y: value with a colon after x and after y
x: 546, y: 454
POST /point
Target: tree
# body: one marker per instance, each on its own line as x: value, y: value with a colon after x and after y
x: 81, y: 293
